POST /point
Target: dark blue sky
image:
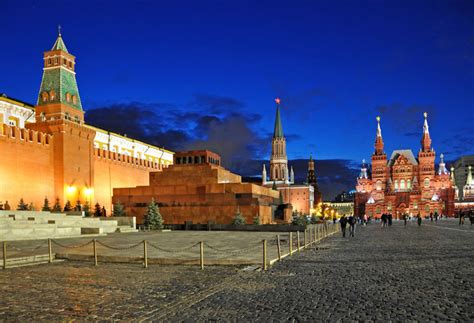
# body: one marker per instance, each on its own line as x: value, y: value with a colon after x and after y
x: 187, y: 73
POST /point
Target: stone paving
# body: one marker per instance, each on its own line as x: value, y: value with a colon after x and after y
x: 393, y: 274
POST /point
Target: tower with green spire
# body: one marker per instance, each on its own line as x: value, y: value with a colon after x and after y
x: 279, y: 160
x: 59, y: 95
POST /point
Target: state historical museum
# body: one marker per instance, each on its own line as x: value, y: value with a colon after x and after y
x: 404, y: 184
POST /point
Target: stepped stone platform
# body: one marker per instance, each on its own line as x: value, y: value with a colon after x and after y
x: 31, y: 225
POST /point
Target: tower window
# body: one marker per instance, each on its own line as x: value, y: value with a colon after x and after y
x: 67, y: 116
x: 68, y: 97
x: 45, y: 96
x: 74, y: 99
x: 52, y: 95
x: 42, y: 116
x: 64, y: 61
x: 49, y: 61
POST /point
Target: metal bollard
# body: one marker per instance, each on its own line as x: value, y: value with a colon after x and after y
x: 264, y: 260
x: 278, y: 247
x: 94, y: 246
x: 298, y: 238
x: 50, y: 251
x: 4, y: 255
x: 291, y: 243
x: 201, y: 252
x: 305, y: 240
x: 145, y: 255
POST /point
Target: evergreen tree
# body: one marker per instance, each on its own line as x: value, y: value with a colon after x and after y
x: 97, y: 210
x: 78, y: 206
x: 153, y: 218
x: 46, y: 207
x: 31, y: 207
x: 256, y: 219
x: 57, y: 206
x: 118, y: 210
x: 22, y: 206
x: 238, y: 219
x: 67, y: 207
x: 314, y: 219
x: 87, y: 209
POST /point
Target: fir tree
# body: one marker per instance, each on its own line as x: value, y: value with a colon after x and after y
x: 97, y: 210
x: 31, y: 207
x: 46, y: 207
x: 87, y: 209
x: 67, y: 207
x: 118, y: 210
x: 256, y: 219
x: 22, y: 206
x: 314, y: 219
x: 238, y: 219
x: 153, y: 218
x: 57, y: 206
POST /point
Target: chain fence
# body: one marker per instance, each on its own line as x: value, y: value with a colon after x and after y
x: 282, y: 245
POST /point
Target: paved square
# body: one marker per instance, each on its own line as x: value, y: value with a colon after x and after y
x: 399, y: 273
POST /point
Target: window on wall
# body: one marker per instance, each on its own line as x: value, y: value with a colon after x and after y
x: 402, y: 184
x: 45, y: 96
x: 396, y: 185
x: 378, y: 186
x: 42, y: 116
x: 76, y: 119
x: 427, y: 182
x: 409, y: 184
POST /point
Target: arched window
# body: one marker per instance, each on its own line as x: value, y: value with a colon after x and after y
x: 45, y: 96
x: 427, y: 182
x: 42, y: 116
x: 74, y: 99
x: 402, y: 184
x: 409, y: 184
x: 76, y: 118
x: 378, y: 186
x: 52, y: 95
x: 67, y: 116
x: 68, y: 97
x: 396, y: 185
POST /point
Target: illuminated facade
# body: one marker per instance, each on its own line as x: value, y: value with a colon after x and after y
x: 403, y: 183
x: 49, y: 151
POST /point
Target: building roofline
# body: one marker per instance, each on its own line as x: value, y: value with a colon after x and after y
x: 4, y: 97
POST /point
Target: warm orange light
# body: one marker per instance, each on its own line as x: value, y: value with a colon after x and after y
x: 89, y: 191
x: 277, y: 100
x: 71, y: 189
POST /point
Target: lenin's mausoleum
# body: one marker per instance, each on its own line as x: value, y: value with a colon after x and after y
x: 404, y: 184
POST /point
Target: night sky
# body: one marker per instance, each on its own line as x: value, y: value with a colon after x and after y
x: 204, y: 74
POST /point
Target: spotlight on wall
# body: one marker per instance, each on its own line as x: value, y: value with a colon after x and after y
x: 89, y: 191
x: 71, y: 189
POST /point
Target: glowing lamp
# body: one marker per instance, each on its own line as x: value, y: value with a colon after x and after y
x: 277, y: 100
x: 71, y: 189
x: 88, y: 191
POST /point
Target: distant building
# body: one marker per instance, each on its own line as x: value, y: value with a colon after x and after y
x: 342, y: 208
x: 301, y: 197
x: 463, y: 177
x: 403, y: 183
x: 345, y: 196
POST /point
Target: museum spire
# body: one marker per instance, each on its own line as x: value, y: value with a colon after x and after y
x: 378, y: 139
x: 426, y: 140
x: 278, y: 131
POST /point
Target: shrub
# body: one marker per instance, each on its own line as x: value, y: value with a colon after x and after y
x: 256, y: 219
x: 57, y: 206
x: 238, y: 219
x: 87, y: 209
x: 153, y: 218
x: 97, y: 210
x: 67, y: 207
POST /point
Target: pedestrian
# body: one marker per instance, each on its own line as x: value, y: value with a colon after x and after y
x: 103, y: 212
x: 352, y: 223
x: 419, y: 219
x: 389, y: 219
x: 343, y: 222
x: 334, y: 219
x: 365, y: 219
x: 6, y: 206
x: 405, y: 218
x: 471, y: 216
x: 461, y: 218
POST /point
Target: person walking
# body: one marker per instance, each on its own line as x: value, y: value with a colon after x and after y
x: 405, y: 218
x: 419, y: 219
x: 343, y: 222
x: 461, y: 218
x: 389, y: 219
x: 352, y: 223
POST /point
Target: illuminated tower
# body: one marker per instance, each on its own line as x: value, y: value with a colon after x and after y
x: 426, y: 159
x: 379, y: 160
x: 279, y: 160
x: 312, y: 180
x: 59, y: 113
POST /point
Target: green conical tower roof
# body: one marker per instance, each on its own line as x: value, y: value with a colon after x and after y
x: 59, y: 44
x: 59, y: 78
x: 278, y: 132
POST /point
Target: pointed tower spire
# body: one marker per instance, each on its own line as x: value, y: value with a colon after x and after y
x: 442, y: 170
x: 292, y: 175
x: 469, y: 181
x: 278, y: 130
x: 426, y: 140
x: 378, y: 139
x: 363, y: 170
x: 451, y: 177
x: 264, y: 175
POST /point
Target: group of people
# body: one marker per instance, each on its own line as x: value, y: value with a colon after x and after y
x: 386, y: 220
x: 351, y: 220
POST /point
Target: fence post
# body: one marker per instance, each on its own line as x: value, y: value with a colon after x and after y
x: 264, y: 242
x: 305, y: 241
x: 314, y: 233
x: 278, y: 247
x: 291, y: 243
x: 94, y: 245
x: 145, y: 255
x: 4, y: 255
x: 201, y: 257
x: 50, y: 251
x: 298, y: 238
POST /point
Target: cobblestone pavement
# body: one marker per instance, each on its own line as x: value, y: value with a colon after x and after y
x: 399, y: 273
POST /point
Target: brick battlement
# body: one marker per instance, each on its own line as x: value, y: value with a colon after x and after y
x: 23, y: 135
x: 110, y: 156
